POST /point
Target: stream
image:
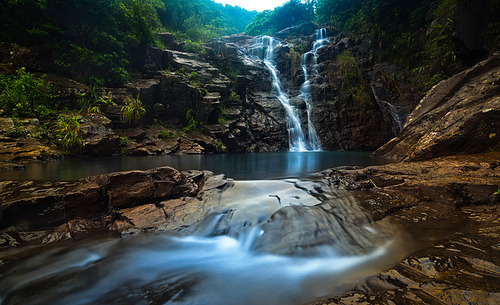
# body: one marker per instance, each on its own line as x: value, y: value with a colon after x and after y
x: 288, y: 240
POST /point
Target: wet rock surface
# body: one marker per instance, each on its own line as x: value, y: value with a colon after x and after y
x: 449, y: 209
x: 117, y: 201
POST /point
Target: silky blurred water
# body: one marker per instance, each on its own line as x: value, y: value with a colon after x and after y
x: 276, y: 236
x: 286, y: 241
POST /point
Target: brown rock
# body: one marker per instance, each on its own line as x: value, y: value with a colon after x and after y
x: 460, y: 115
x: 141, y: 217
x: 453, y: 181
x: 32, y: 205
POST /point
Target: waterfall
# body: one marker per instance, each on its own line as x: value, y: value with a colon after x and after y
x: 263, y: 47
x: 397, y: 122
x: 310, y: 59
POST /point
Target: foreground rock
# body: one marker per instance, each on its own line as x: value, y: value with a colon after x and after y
x: 460, y: 115
x: 453, y: 181
x: 449, y: 209
x: 123, y: 201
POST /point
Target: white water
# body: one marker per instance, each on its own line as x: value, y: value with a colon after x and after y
x: 309, y: 63
x: 397, y: 122
x: 266, y: 242
x: 263, y: 47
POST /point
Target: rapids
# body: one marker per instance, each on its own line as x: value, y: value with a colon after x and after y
x: 283, y: 241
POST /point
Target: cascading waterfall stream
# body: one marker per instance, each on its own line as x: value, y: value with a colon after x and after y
x: 397, y: 122
x: 264, y: 242
x: 263, y: 48
x: 310, y: 59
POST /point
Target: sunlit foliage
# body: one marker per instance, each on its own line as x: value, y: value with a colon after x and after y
x: 92, y: 40
x: 292, y: 13
x: 24, y: 95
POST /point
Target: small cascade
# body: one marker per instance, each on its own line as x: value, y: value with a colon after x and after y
x: 251, y: 249
x: 397, y: 122
x: 309, y: 63
x: 263, y: 47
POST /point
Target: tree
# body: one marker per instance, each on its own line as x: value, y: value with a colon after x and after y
x: 292, y: 13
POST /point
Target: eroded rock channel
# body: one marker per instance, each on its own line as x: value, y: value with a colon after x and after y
x: 407, y: 233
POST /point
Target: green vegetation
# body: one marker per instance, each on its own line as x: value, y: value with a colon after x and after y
x: 24, y: 95
x: 67, y: 130
x: 124, y: 141
x: 353, y: 79
x: 292, y: 13
x: 193, y: 79
x: 19, y: 126
x: 94, y: 103
x: 165, y: 134
x: 417, y: 35
x: 222, y: 110
x: 219, y: 146
x: 93, y: 41
x: 133, y: 111
x: 233, y: 98
x: 191, y: 123
x: 200, y: 20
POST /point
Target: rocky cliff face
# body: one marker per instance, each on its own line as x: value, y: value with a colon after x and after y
x: 458, y: 116
x: 237, y: 115
x: 241, y: 113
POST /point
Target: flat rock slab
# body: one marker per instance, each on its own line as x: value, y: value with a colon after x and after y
x: 453, y: 180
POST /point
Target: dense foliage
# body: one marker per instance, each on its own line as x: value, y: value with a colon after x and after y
x: 91, y: 40
x: 292, y: 13
x: 199, y: 20
x: 417, y: 35
x: 22, y: 94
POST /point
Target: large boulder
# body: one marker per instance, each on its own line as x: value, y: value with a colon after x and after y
x: 34, y: 206
x: 460, y: 115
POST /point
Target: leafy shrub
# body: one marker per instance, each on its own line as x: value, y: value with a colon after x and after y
x: 133, y: 111
x: 165, y: 134
x: 219, y: 146
x: 67, y: 130
x: 24, y: 95
x: 94, y: 104
x: 222, y: 110
x: 124, y: 141
x: 193, y: 76
x: 192, y: 124
x: 233, y: 97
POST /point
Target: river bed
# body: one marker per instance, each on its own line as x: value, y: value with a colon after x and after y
x: 277, y: 235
